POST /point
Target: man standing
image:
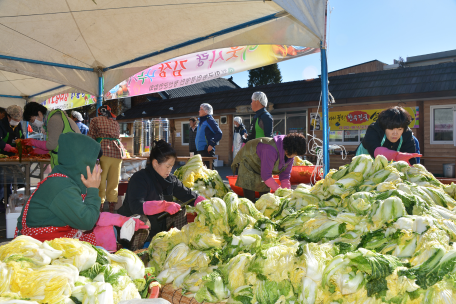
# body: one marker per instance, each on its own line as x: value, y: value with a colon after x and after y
x: 262, y: 122
x: 208, y: 133
x: 192, y: 135
x: 77, y: 117
x: 105, y: 130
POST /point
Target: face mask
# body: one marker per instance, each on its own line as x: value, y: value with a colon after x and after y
x: 37, y: 123
x: 14, y: 123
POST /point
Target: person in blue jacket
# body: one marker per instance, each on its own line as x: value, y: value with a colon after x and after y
x: 77, y: 117
x: 209, y: 133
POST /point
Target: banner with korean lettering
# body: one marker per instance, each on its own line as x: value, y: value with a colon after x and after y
x: 202, y: 66
x: 361, y: 119
x: 69, y: 101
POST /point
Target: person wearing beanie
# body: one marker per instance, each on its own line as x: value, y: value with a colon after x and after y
x: 239, y: 135
x: 77, y: 117
x: 262, y: 122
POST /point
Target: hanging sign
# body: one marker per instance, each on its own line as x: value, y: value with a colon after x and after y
x: 361, y: 119
x: 202, y: 66
x: 69, y: 101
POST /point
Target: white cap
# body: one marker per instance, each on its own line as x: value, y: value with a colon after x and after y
x: 261, y: 97
x: 77, y: 115
x: 238, y: 119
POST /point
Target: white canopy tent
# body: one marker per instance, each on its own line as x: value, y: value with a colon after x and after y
x: 52, y: 46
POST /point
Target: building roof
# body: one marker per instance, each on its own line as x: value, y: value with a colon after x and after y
x: 210, y: 86
x: 406, y: 83
x: 432, y: 56
x: 375, y: 60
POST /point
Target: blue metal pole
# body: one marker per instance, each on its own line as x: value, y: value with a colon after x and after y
x: 100, y: 91
x: 324, y: 100
x: 60, y: 65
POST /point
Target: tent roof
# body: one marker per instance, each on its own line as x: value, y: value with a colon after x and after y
x: 125, y: 37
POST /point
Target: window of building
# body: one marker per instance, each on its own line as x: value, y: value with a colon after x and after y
x: 349, y: 137
x: 279, y: 125
x: 185, y: 133
x: 296, y: 123
x: 442, y: 124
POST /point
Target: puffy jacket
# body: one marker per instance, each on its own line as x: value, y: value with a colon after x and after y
x: 374, y: 136
x: 208, y: 133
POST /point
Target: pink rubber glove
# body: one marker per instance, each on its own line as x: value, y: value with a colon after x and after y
x: 271, y: 183
x: 199, y: 199
x: 285, y: 183
x: 394, y: 155
x: 8, y: 148
x: 111, y: 219
x: 105, y: 237
x: 38, y: 151
x: 155, y: 207
x: 41, y: 144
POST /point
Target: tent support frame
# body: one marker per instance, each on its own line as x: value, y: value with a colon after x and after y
x: 324, y: 99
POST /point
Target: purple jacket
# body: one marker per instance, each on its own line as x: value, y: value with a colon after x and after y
x: 268, y: 156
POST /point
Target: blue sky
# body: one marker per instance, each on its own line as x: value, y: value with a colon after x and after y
x: 362, y: 30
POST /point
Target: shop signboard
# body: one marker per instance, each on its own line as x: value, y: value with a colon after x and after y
x: 69, y: 101
x: 361, y: 119
x: 202, y: 66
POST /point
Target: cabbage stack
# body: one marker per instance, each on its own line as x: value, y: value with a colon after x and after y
x: 203, y: 181
x: 370, y: 232
x: 67, y: 271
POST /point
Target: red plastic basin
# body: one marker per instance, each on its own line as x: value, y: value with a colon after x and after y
x: 302, y: 174
x: 239, y: 191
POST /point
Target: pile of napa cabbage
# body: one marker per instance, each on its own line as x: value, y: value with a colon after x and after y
x: 203, y: 181
x: 67, y: 271
x: 370, y: 232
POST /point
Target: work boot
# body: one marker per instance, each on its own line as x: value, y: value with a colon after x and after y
x: 112, y: 207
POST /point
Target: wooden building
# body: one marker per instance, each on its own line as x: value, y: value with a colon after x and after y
x: 428, y: 91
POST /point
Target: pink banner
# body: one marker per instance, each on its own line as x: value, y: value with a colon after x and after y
x: 202, y: 66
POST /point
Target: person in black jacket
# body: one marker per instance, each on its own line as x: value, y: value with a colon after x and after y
x: 390, y: 136
x: 150, y: 191
x: 193, y: 129
x: 11, y: 129
x: 262, y: 123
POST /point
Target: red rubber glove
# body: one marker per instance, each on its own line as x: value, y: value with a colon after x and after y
x: 199, y: 199
x: 271, y: 183
x: 41, y: 144
x: 38, y: 151
x: 155, y: 207
x: 285, y: 184
x: 8, y: 148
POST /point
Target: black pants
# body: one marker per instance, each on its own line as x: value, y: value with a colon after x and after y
x: 204, y: 153
x: 250, y: 195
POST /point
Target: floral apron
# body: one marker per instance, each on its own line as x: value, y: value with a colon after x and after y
x: 49, y: 233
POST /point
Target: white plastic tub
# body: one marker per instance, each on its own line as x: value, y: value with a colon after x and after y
x: 11, y: 223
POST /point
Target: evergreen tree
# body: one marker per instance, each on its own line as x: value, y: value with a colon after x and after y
x: 264, y: 75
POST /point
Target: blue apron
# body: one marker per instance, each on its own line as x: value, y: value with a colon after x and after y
x: 362, y: 150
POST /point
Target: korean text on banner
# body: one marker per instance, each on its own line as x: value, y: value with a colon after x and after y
x: 69, y: 101
x: 202, y: 66
x: 361, y: 119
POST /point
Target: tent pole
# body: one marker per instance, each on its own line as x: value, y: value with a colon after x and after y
x: 26, y: 123
x: 100, y: 90
x: 60, y: 65
x: 324, y: 99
